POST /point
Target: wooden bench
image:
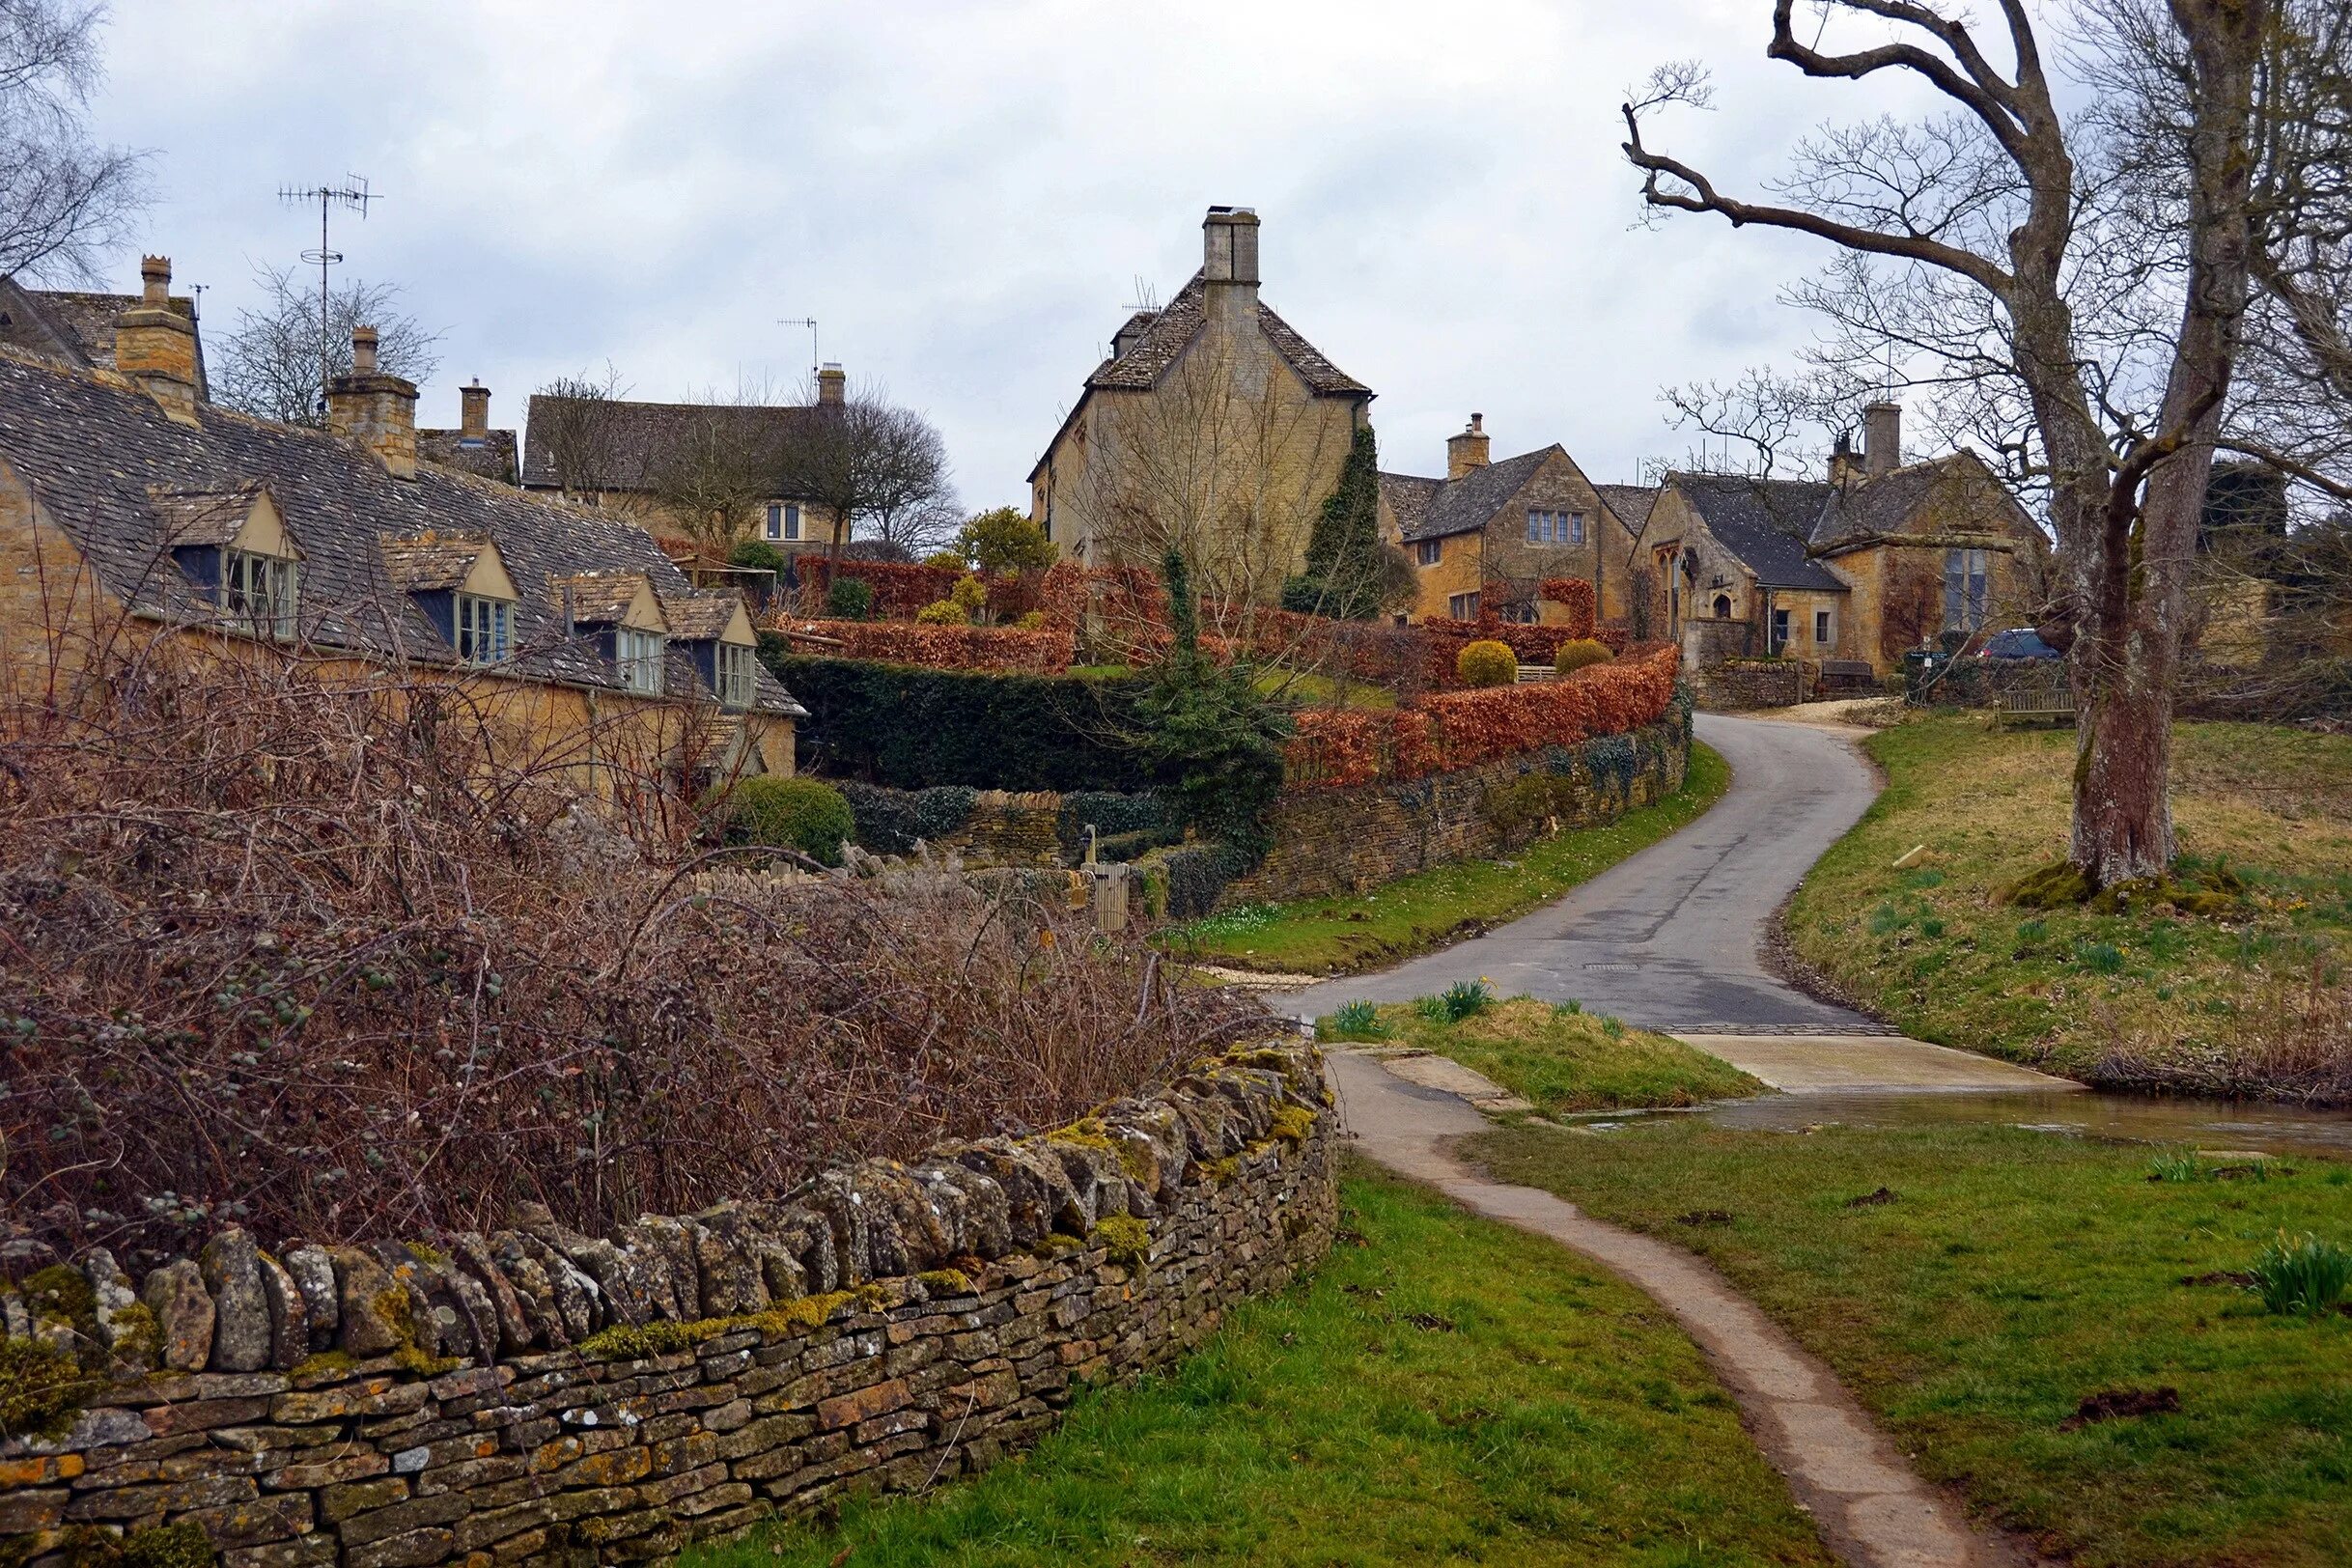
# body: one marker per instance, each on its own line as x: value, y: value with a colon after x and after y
x: 2043, y: 698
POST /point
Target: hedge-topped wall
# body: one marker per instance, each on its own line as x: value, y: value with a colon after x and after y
x: 535, y: 1396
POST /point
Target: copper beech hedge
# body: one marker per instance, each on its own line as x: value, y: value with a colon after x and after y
x: 1461, y: 729
x: 999, y: 649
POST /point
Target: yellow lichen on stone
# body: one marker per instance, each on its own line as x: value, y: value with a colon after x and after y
x: 946, y: 1282
x: 1293, y: 1123
x: 1124, y: 1239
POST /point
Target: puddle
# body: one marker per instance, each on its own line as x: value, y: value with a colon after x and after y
x: 2219, y: 1124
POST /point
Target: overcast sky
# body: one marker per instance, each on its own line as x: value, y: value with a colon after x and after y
x: 965, y: 195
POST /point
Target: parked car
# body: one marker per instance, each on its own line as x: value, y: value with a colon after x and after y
x: 2019, y: 642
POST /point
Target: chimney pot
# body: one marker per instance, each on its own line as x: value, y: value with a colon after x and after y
x: 377, y: 410
x: 1883, y: 436
x: 1468, y: 450
x: 363, y: 351
x: 155, y: 280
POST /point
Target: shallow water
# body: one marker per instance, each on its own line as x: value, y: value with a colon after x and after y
x: 2204, y: 1124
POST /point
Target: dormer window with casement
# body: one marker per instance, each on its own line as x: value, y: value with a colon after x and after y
x: 716, y: 635
x: 485, y: 628
x: 637, y: 653
x: 236, y: 551
x: 736, y: 681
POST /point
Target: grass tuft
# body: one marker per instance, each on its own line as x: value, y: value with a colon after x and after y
x: 2301, y: 1274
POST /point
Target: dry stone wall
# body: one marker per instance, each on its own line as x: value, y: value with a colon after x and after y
x: 1332, y: 841
x: 537, y: 1395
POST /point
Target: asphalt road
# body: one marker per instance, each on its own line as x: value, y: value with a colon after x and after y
x: 1670, y: 938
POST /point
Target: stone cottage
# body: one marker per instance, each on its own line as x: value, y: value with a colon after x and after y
x: 473, y: 446
x: 614, y: 453
x: 1880, y: 557
x: 125, y: 493
x: 1486, y: 536
x: 1213, y: 426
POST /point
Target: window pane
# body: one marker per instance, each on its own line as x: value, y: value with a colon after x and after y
x: 1576, y: 528
x: 791, y: 522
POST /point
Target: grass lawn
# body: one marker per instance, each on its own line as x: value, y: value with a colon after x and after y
x: 1442, y: 1390
x: 1416, y: 912
x: 2012, y: 1276
x: 2255, y: 1001
x: 1558, y: 1059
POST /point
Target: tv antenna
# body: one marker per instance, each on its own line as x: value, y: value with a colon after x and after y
x: 809, y: 321
x: 352, y: 194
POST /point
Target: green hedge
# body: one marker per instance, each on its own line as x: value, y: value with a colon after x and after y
x: 801, y: 814
x: 1125, y: 825
x: 889, y: 821
x: 915, y: 729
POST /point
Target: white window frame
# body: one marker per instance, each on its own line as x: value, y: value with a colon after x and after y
x: 485, y: 628
x: 638, y: 658
x: 736, y: 683
x: 784, y: 521
x: 1428, y: 552
x: 260, y: 593
x: 1825, y: 625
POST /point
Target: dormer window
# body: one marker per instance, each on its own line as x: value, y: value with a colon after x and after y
x: 736, y: 681
x: 638, y: 656
x: 258, y: 592
x: 483, y: 627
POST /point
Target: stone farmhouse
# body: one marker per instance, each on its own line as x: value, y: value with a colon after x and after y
x: 1483, y: 538
x: 1855, y: 569
x: 124, y: 491
x: 1213, y: 425
x: 611, y: 453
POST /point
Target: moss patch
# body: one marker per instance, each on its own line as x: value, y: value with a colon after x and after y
x: 637, y: 1341
x: 945, y: 1282
x: 41, y: 1390
x: 1293, y: 1123
x: 1124, y: 1239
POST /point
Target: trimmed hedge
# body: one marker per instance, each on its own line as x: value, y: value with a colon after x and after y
x: 790, y: 813
x: 914, y: 728
x: 889, y: 821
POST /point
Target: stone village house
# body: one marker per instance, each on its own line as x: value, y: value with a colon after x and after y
x: 1485, y: 537
x: 123, y: 490
x: 1212, y: 425
x: 1879, y: 558
x: 609, y: 453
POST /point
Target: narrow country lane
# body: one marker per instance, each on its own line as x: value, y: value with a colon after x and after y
x: 1669, y: 939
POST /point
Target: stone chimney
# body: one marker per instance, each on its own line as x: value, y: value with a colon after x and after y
x: 1883, y: 437
x: 377, y: 410
x: 155, y: 346
x: 1468, y: 450
x: 473, y: 423
x: 1845, y: 463
x: 1229, y: 265
x: 832, y: 385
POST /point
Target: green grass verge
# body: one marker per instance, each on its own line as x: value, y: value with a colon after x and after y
x: 1560, y: 1061
x: 2013, y: 1276
x: 2245, y: 1004
x: 1427, y: 909
x: 1443, y: 1390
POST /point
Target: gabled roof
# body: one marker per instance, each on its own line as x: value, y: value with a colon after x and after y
x: 1630, y: 503
x: 1465, y: 505
x: 602, y: 598
x: 189, y: 517
x: 1409, y: 496
x: 493, y: 458
x: 432, y: 562
x: 98, y: 452
x: 1887, y: 503
x: 76, y: 328
x: 700, y: 617
x: 634, y: 436
x: 1173, y: 329
x: 1765, y: 522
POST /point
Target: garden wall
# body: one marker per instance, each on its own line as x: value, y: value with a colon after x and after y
x: 1346, y: 840
x: 539, y: 1396
x: 1736, y: 684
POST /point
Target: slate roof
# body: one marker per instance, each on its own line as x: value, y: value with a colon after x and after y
x: 1181, y: 320
x: 598, y: 598
x: 1409, y: 496
x: 77, y: 327
x: 430, y: 561
x: 201, y: 517
x: 698, y: 617
x: 1630, y: 503
x: 108, y: 467
x: 493, y: 458
x: 1765, y: 522
x: 1886, y: 504
x: 1465, y: 505
x: 635, y: 436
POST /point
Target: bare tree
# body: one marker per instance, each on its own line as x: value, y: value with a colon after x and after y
x: 63, y: 199
x: 869, y: 461
x: 275, y: 362
x: 573, y: 422
x: 714, y: 466
x: 2007, y: 252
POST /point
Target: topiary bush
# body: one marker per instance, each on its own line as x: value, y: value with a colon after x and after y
x: 969, y: 596
x: 1486, y: 664
x: 849, y: 599
x: 1575, y: 655
x: 942, y: 612
x: 801, y: 814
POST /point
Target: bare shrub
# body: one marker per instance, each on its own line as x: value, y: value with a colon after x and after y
x: 348, y: 954
x: 2291, y: 1042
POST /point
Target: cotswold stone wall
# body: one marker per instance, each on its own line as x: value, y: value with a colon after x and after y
x: 537, y: 1395
x: 1757, y: 682
x: 1332, y: 841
